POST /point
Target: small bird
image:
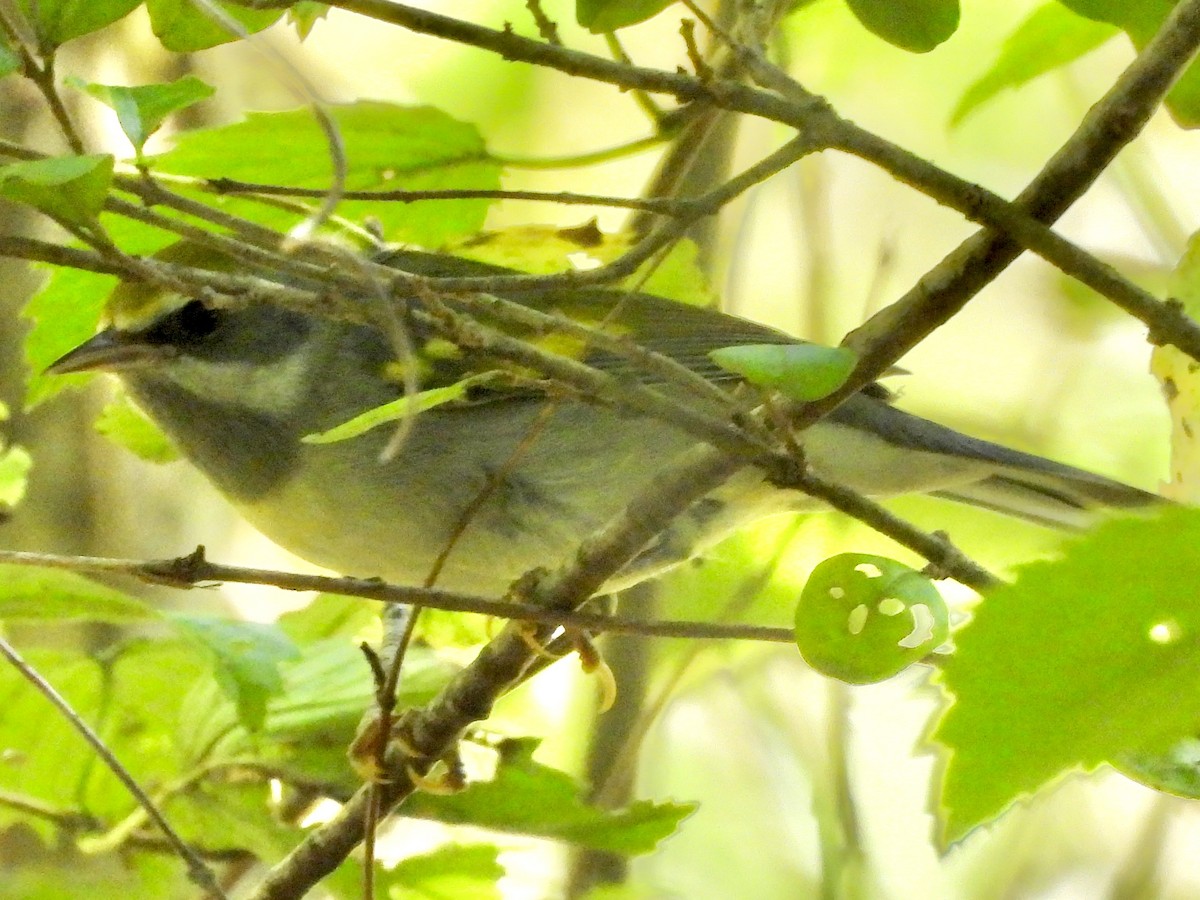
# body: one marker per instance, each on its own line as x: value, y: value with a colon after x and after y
x: 237, y: 389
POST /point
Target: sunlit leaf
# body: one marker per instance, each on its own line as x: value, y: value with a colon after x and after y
x: 599, y: 16
x: 388, y: 147
x: 304, y: 16
x: 1050, y: 38
x: 122, y: 422
x: 247, y: 658
x: 914, y: 25
x: 70, y: 188
x: 330, y: 615
x: 1075, y: 664
x: 453, y: 871
x: 57, y: 21
x: 141, y: 109
x: 15, y: 464
x: 309, y: 723
x: 527, y: 797
x: 399, y: 409
x: 183, y: 26
x: 1180, y: 381
x: 1174, y: 771
x: 800, y: 371
x: 1141, y: 20
x: 863, y: 618
x: 66, y: 309
x: 27, y: 592
x: 229, y: 813
x: 131, y: 697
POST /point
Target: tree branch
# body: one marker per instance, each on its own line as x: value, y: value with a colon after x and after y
x: 1114, y: 121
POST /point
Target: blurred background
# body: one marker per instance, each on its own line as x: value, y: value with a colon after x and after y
x: 806, y: 787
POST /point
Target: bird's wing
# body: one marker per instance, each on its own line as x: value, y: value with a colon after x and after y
x: 685, y: 333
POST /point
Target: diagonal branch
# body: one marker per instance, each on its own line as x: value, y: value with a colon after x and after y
x: 1111, y: 124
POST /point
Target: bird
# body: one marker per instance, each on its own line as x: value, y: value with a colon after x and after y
x: 509, y: 477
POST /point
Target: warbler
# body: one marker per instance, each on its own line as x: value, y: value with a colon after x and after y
x: 506, y: 478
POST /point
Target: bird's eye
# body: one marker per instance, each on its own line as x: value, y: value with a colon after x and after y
x: 191, y: 322
x: 197, y: 320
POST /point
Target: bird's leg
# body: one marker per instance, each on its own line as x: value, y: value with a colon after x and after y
x: 441, y: 775
x: 592, y: 662
x: 575, y: 640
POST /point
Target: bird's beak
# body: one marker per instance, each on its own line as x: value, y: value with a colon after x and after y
x: 110, y: 350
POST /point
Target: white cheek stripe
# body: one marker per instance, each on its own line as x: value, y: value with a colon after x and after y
x: 270, y: 388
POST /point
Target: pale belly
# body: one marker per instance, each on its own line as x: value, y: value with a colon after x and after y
x: 452, y: 500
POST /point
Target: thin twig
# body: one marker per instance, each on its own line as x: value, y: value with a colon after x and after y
x: 42, y: 76
x: 589, y: 157
x: 196, y: 570
x: 643, y: 100
x: 545, y: 25
x: 68, y: 820
x: 696, y: 209
x: 658, y: 206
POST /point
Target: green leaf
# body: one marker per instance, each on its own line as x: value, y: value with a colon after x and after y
x: 441, y: 628
x: 304, y: 15
x: 247, y: 657
x: 1143, y: 16
x: 526, y: 797
x: 27, y: 592
x: 1184, y: 285
x: 540, y: 249
x: 1050, y: 38
x: 132, y: 699
x: 914, y: 25
x: 69, y: 188
x: 471, y: 871
x: 388, y: 147
x: 183, y: 27
x: 311, y: 722
x: 330, y: 615
x: 66, y: 309
x: 232, y: 813
x: 677, y: 276
x: 10, y: 62
x: 57, y: 21
x: 1075, y: 664
x: 64, y: 312
x: 600, y: 16
x: 47, y: 757
x: 451, y: 872
x: 800, y: 371
x: 122, y: 422
x: 142, y: 109
x: 398, y: 409
x: 1141, y: 21
x: 96, y: 877
x: 15, y: 464
x: 863, y: 618
x: 1176, y: 771
x: 544, y: 250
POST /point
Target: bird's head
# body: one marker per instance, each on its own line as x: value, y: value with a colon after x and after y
x: 255, y: 357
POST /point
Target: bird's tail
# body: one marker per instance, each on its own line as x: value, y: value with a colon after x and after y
x: 1050, y: 494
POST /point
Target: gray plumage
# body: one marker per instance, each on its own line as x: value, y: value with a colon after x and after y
x: 239, y: 389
